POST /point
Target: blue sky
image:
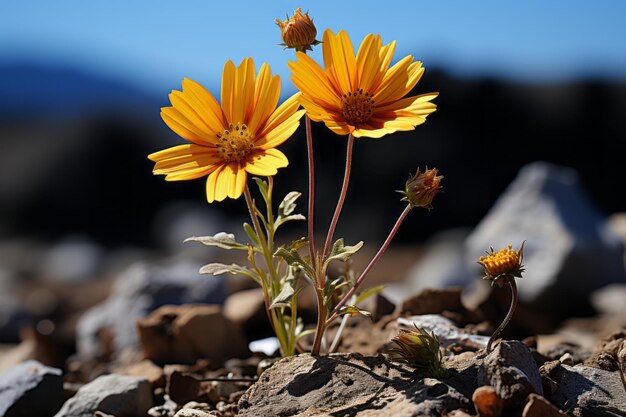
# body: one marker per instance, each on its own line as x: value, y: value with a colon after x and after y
x: 155, y: 43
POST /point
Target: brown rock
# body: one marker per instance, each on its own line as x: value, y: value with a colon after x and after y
x: 446, y: 302
x: 487, y: 402
x: 147, y: 369
x: 247, y: 310
x: 181, y: 334
x: 537, y: 406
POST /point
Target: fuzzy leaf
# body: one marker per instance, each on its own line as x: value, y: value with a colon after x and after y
x: 293, y: 258
x: 284, y: 297
x: 288, y: 205
x: 368, y: 293
x: 342, y: 253
x: 263, y: 188
x: 354, y: 311
x: 218, y: 269
x: 252, y: 234
x: 221, y: 240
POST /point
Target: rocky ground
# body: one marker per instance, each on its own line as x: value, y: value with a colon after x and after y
x: 154, y: 338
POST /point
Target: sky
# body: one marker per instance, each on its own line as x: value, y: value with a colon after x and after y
x: 153, y: 44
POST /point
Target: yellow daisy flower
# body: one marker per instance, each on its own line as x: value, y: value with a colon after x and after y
x: 361, y: 94
x: 230, y: 140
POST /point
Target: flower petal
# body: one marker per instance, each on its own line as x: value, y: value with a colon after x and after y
x: 267, y: 163
x: 183, y: 127
x: 339, y: 59
x: 311, y: 79
x: 368, y: 61
x: 230, y: 182
x: 211, y: 186
x: 266, y: 95
x: 282, y: 113
x: 243, y: 101
x: 397, y: 78
x: 208, y: 107
x: 280, y: 133
x: 228, y: 89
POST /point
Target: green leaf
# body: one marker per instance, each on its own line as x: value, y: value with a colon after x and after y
x: 304, y: 333
x: 293, y: 258
x: 288, y: 205
x: 284, y: 297
x: 368, y: 293
x: 252, y: 234
x: 221, y: 240
x: 342, y: 253
x: 354, y: 311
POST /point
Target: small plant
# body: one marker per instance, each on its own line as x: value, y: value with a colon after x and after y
x: 502, y: 267
x: 420, y: 349
x: 355, y: 95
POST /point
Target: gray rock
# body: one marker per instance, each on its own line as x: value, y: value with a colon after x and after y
x: 570, y: 249
x: 447, y: 332
x: 346, y: 384
x: 610, y: 299
x: 30, y: 389
x: 139, y: 290
x: 73, y: 259
x: 512, y: 371
x: 588, y: 392
x: 111, y: 394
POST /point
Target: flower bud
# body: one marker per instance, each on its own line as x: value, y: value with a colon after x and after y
x: 503, y: 264
x: 419, y: 349
x: 298, y: 31
x: 422, y: 187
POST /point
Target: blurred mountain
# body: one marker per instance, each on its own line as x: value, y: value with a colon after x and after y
x: 74, y: 146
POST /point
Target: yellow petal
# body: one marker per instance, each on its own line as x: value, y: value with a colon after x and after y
x: 339, y: 59
x: 230, y: 182
x: 211, y: 186
x: 368, y: 61
x: 267, y: 93
x: 413, y: 103
x: 282, y: 113
x: 402, y: 84
x: 243, y: 104
x: 210, y: 111
x: 190, y: 174
x: 385, y: 55
x: 228, y: 90
x: 396, y: 78
x: 176, y: 151
x: 267, y: 163
x: 185, y: 104
x: 311, y: 79
x: 183, y: 127
x: 280, y: 133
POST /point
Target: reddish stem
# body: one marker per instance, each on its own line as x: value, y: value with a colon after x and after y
x: 369, y: 267
x: 509, y: 315
x: 342, y: 196
x: 311, y: 208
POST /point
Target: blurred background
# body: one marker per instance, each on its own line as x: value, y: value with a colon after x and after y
x: 81, y: 85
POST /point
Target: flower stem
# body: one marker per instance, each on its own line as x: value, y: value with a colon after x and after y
x: 321, y: 322
x: 368, y: 268
x: 509, y: 315
x: 342, y: 196
x: 311, y: 208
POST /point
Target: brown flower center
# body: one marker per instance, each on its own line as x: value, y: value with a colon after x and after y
x: 357, y: 107
x: 235, y: 143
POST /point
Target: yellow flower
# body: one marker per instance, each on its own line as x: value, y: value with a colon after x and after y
x: 503, y: 264
x: 232, y: 139
x: 298, y: 31
x: 361, y: 95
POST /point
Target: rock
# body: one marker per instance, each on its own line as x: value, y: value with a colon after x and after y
x: 192, y: 412
x: 605, y: 354
x: 182, y: 334
x: 346, y: 384
x: 511, y: 370
x: 31, y: 389
x: 144, y: 369
x: 112, y: 394
x: 447, y: 332
x: 487, y: 402
x: 610, y: 299
x: 247, y: 310
x: 109, y: 327
x: 72, y: 260
x: 588, y: 392
x: 446, y: 302
x: 569, y: 252
x: 537, y: 406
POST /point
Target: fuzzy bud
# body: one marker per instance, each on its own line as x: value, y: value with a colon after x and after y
x: 422, y: 187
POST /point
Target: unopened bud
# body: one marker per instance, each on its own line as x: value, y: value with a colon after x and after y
x: 422, y: 187
x: 298, y: 31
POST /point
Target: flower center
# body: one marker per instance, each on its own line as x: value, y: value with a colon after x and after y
x: 235, y: 143
x: 357, y: 107
x: 503, y: 261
